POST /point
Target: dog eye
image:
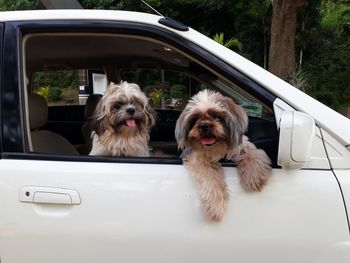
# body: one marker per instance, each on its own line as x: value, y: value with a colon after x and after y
x: 118, y: 105
x: 192, y: 122
x: 218, y: 118
x: 137, y: 102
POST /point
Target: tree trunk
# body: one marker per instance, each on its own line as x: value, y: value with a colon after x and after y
x: 283, y: 29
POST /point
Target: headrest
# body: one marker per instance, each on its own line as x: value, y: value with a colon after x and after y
x: 91, y: 104
x: 38, y: 111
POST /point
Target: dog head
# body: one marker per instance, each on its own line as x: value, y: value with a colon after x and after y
x: 123, y: 110
x: 211, y: 121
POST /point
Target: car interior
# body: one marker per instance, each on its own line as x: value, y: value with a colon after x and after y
x: 67, y: 73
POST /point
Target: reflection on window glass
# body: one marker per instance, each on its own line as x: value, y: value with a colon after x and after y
x: 165, y: 89
x: 142, y: 77
x: 57, y: 87
x: 252, y: 106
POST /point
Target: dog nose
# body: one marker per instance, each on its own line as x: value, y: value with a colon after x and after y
x: 130, y: 111
x: 205, y: 127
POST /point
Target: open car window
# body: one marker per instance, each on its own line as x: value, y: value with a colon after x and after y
x: 68, y: 68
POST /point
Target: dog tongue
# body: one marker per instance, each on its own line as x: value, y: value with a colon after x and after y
x: 208, y: 141
x: 131, y: 123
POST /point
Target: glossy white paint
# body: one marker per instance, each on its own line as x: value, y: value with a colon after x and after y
x: 139, y: 212
x: 297, y: 135
x: 339, y: 156
x: 49, y: 195
x: 318, y: 158
x: 343, y: 177
x: 344, y: 181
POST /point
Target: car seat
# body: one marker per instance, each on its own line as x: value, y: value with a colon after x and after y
x: 86, y: 130
x: 44, y: 140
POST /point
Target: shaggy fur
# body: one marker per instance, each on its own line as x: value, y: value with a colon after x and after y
x: 211, y: 128
x: 122, y: 122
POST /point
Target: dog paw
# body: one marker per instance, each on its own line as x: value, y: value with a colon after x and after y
x: 215, y: 212
x: 215, y: 208
x: 254, y: 170
x: 254, y: 183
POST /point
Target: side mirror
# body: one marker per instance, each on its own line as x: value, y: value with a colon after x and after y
x: 297, y: 133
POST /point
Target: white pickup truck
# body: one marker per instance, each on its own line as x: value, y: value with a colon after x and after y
x: 60, y: 205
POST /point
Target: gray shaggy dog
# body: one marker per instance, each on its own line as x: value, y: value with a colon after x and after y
x: 122, y: 122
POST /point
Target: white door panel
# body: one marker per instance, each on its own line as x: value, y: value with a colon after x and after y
x: 343, y: 177
x: 143, y: 212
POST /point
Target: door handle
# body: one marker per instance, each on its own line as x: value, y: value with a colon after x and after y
x: 49, y: 195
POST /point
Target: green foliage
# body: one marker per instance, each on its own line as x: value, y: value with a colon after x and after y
x: 9, y: 5
x: 57, y: 85
x: 50, y: 94
x: 60, y: 79
x: 143, y: 77
x: 97, y: 4
x: 298, y: 78
x: 54, y: 94
x: 131, y: 5
x: 231, y: 43
x: 156, y: 97
x: 178, y: 91
x: 335, y: 15
x: 326, y: 42
x: 43, y: 91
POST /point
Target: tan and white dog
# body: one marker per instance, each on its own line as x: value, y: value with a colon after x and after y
x: 122, y: 122
x: 212, y: 128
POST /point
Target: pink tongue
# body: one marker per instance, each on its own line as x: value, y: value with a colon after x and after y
x: 131, y: 123
x: 208, y: 141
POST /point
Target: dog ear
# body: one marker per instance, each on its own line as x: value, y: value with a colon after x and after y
x: 151, y: 115
x: 97, y: 123
x: 237, y: 122
x: 182, y: 129
x: 111, y: 88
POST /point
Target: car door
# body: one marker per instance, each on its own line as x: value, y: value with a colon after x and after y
x: 57, y: 208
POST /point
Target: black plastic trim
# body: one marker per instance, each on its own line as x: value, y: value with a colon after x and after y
x: 98, y: 159
x: 12, y: 102
x: 172, y: 23
x: 11, y: 99
x: 95, y: 159
x: 1, y: 77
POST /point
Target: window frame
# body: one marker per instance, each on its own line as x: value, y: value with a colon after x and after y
x: 1, y: 80
x: 15, y: 145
